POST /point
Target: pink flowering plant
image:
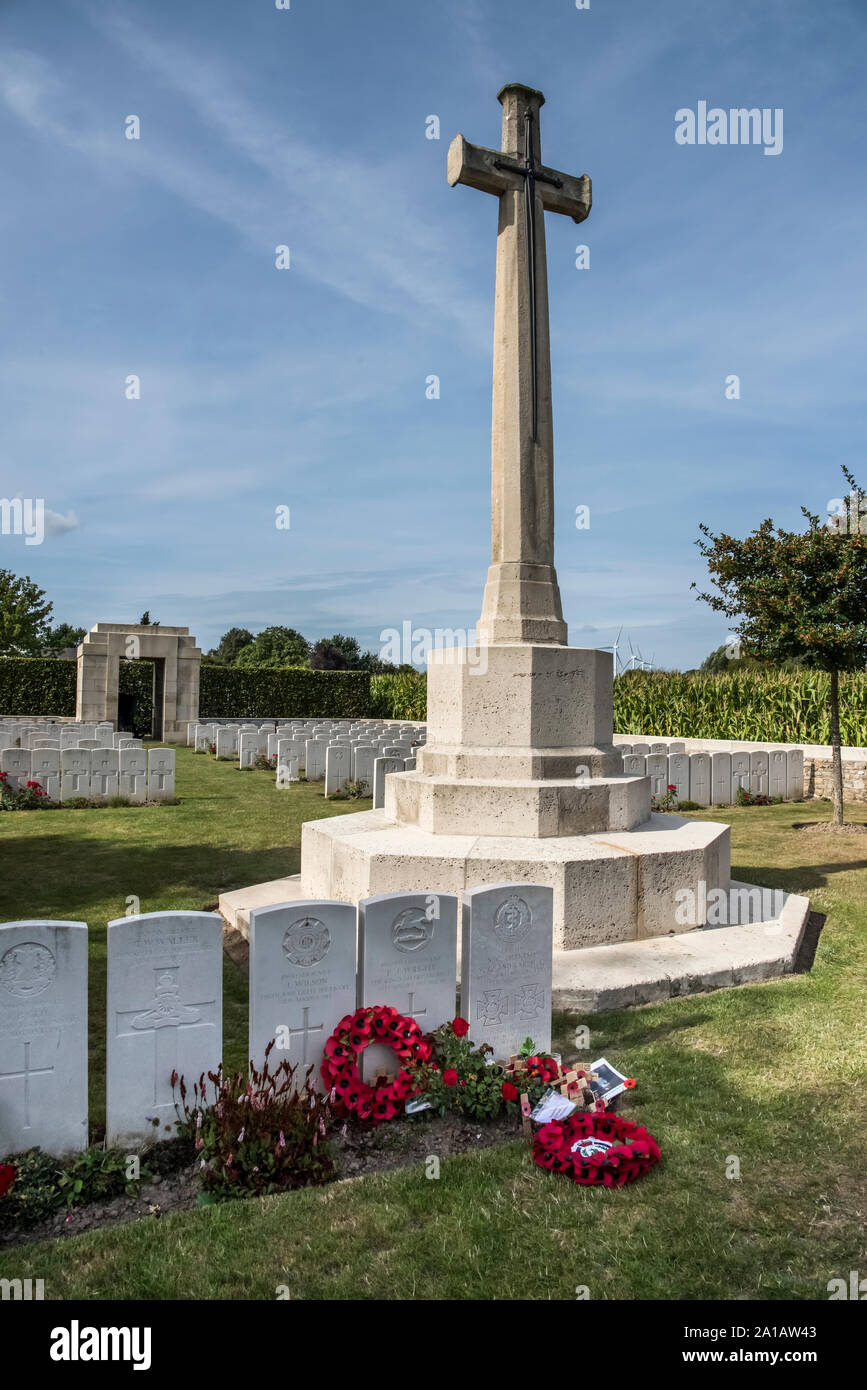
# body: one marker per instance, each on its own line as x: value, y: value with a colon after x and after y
x: 256, y: 1132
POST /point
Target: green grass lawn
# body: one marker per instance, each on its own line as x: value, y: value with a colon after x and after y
x: 771, y: 1074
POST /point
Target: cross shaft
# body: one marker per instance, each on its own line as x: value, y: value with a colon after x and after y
x: 522, y: 597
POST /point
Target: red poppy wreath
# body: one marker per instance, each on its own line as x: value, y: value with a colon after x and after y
x: 596, y: 1149
x: 381, y: 1024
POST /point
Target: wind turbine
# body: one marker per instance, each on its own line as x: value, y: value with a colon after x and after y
x: 613, y: 648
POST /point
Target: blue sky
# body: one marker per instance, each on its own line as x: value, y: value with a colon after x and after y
x: 306, y: 387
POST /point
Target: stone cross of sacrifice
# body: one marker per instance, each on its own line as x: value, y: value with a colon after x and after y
x: 522, y: 597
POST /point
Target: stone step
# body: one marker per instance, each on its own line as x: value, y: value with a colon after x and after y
x: 599, y: 978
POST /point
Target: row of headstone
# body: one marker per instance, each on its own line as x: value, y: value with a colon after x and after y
x: 94, y: 773
x: 203, y: 734
x: 310, y: 964
x: 714, y: 779
x: 22, y: 733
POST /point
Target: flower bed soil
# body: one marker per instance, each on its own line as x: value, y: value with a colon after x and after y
x: 363, y: 1150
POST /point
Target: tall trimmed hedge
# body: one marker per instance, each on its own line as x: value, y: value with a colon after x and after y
x: 232, y: 692
x: 32, y: 685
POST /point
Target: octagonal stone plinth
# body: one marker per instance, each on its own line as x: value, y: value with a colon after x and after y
x: 608, y: 887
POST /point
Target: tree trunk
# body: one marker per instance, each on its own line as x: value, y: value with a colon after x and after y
x: 836, y: 760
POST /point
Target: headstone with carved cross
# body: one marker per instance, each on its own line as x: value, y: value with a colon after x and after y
x: 302, y: 979
x: 164, y: 1014
x: 522, y: 598
x: 506, y: 965
x: 43, y: 1036
x: 408, y: 958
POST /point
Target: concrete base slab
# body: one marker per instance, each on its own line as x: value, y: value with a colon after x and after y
x: 600, y: 978
x: 235, y: 907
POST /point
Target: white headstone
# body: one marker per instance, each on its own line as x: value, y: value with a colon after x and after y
x: 161, y: 774
x: 15, y: 762
x: 250, y: 746
x: 164, y: 1013
x: 302, y: 979
x: 43, y: 1036
x: 759, y: 773
x: 643, y: 748
x: 103, y: 773
x: 45, y: 769
x: 382, y: 768
x: 74, y: 773
x: 678, y: 774
x: 408, y: 958
x: 795, y: 774
x: 777, y: 772
x: 657, y: 771
x: 226, y: 742
x: 362, y: 765
x: 205, y: 735
x: 133, y: 773
x: 506, y: 965
x: 740, y: 772
x: 338, y: 766
x: 635, y: 765
x: 720, y: 779
x: 699, y: 778
x: 314, y: 759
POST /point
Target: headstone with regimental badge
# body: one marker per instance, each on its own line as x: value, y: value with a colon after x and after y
x: 507, y: 940
x: 408, y: 958
x: 43, y: 1036
x: 164, y: 1014
x: 302, y: 979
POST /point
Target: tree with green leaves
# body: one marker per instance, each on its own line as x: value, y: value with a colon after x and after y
x: 61, y: 637
x: 230, y: 646
x: 797, y: 596
x: 24, y: 616
x: 275, y: 646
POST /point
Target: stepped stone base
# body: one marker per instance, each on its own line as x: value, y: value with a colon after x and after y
x: 608, y: 887
x: 534, y: 808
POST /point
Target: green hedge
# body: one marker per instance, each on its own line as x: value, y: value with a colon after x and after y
x: 754, y: 705
x: 231, y: 692
x: 32, y: 685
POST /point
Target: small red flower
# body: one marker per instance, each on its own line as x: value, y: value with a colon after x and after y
x: 510, y: 1092
x: 460, y: 1027
x: 450, y: 1077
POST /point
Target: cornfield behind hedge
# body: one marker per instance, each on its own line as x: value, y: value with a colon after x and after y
x: 757, y: 706
x: 398, y: 695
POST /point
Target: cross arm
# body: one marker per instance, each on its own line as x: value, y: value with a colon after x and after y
x: 476, y: 166
x: 563, y: 193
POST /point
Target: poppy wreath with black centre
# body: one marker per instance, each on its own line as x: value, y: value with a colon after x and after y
x: 632, y: 1153
x: 352, y: 1096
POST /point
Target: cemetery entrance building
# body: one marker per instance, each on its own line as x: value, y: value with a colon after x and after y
x: 177, y: 661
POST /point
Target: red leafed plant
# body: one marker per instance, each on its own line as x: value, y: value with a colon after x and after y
x: 257, y: 1131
